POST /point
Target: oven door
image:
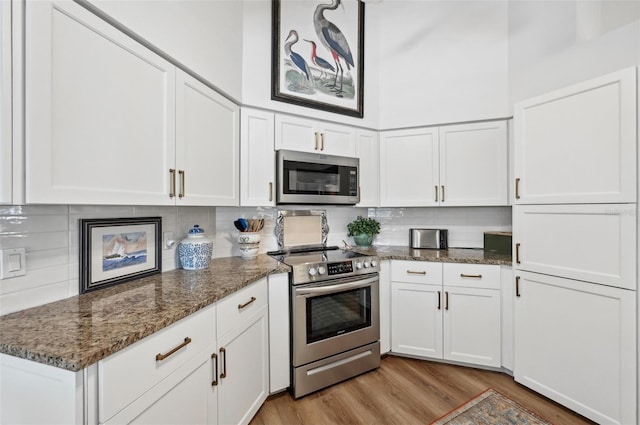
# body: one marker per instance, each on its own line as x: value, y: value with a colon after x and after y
x: 334, y: 317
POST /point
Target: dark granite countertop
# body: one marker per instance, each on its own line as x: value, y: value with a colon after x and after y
x: 76, y: 332
x: 79, y: 331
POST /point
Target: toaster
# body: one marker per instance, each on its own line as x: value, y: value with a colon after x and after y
x: 428, y: 238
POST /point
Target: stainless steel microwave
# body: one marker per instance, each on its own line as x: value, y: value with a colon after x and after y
x: 311, y: 178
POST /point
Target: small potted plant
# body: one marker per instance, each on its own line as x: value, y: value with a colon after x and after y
x: 363, y: 230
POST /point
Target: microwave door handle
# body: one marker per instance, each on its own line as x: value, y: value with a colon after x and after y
x: 332, y: 288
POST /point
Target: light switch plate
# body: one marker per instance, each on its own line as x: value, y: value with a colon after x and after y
x: 13, y: 263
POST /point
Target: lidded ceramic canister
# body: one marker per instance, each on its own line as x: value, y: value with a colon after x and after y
x: 195, y: 250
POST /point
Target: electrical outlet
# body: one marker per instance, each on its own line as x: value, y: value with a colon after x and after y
x: 13, y: 263
x: 168, y: 240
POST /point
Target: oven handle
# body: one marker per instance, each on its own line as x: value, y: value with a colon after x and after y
x: 319, y: 290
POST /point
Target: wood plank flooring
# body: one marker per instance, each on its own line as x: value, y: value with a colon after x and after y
x: 404, y: 391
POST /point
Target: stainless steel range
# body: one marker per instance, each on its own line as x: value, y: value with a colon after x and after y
x: 335, y: 326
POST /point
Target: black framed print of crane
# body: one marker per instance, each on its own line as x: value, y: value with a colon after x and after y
x: 318, y: 54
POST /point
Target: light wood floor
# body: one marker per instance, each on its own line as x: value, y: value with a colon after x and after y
x: 404, y: 391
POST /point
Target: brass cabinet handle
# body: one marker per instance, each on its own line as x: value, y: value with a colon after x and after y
x: 436, y: 188
x: 316, y: 134
x: 472, y: 276
x: 270, y: 191
x: 518, y: 253
x: 442, y: 193
x: 517, y: 187
x: 439, y: 301
x: 321, y: 141
x: 414, y: 272
x: 214, y: 361
x: 172, y: 178
x: 241, y: 306
x: 160, y: 356
x: 446, y: 300
x: 517, y: 286
x: 181, y: 174
x: 223, y: 354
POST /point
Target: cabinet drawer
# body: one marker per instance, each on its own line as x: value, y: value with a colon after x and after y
x: 416, y: 272
x: 471, y: 275
x: 127, y: 374
x: 235, y: 308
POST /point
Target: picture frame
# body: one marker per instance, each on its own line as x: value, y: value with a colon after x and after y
x: 318, y: 54
x: 117, y: 250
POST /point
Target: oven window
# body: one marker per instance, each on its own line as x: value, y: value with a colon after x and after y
x: 335, y: 314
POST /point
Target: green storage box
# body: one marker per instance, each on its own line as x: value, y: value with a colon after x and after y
x: 498, y: 242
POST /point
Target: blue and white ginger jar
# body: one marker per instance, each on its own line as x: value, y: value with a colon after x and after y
x: 195, y: 250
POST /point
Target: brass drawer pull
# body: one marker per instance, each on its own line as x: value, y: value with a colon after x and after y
x: 223, y: 354
x: 442, y: 193
x: 439, y: 301
x: 181, y: 174
x: 518, y: 253
x: 316, y: 134
x: 172, y: 181
x: 517, y: 286
x: 214, y: 361
x: 415, y: 272
x: 321, y: 141
x: 472, y: 276
x: 160, y: 356
x: 270, y: 191
x: 436, y: 189
x: 241, y: 306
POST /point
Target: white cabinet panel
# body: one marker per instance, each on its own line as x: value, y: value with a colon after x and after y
x: 578, y: 144
x: 473, y: 164
x: 99, y: 111
x: 367, y: 151
x: 279, y: 346
x: 595, y: 243
x: 6, y: 98
x: 409, y: 168
x: 575, y: 342
x: 257, y: 158
x: 305, y: 135
x: 207, y: 145
x: 385, y: 307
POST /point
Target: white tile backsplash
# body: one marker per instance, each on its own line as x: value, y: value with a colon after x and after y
x: 50, y: 235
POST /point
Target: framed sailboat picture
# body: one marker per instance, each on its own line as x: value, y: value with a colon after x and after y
x: 318, y: 54
x: 116, y: 250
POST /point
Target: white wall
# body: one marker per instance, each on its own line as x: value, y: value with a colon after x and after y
x: 204, y: 36
x: 556, y: 43
x: 50, y: 236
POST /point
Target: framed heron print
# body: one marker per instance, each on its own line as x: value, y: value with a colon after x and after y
x: 318, y: 54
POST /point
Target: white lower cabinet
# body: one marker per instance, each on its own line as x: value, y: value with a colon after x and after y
x: 575, y: 342
x: 279, y: 346
x: 385, y: 306
x: 446, y: 311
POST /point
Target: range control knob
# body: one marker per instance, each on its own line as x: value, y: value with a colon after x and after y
x: 366, y: 263
x: 321, y: 270
x: 374, y: 263
x: 358, y: 265
x: 312, y: 271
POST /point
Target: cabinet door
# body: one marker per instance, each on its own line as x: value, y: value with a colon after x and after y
x: 409, y: 168
x: 296, y: 134
x: 595, y: 243
x: 100, y: 111
x: 416, y: 319
x: 207, y: 145
x: 472, y: 325
x: 575, y: 342
x: 244, y: 378
x: 473, y: 164
x: 367, y: 151
x: 257, y: 158
x: 337, y: 139
x: 6, y: 151
x: 578, y: 144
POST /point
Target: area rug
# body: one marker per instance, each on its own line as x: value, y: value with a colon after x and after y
x: 490, y: 408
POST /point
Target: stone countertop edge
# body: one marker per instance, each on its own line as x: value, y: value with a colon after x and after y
x: 77, y: 332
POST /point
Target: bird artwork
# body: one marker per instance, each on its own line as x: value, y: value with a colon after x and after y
x: 322, y: 64
x: 297, y: 59
x: 335, y: 41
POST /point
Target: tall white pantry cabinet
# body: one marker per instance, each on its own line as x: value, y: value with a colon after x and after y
x: 575, y: 246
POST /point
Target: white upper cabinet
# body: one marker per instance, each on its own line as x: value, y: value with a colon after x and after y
x: 474, y: 164
x: 367, y: 151
x: 207, y: 145
x: 457, y: 165
x: 578, y: 144
x: 99, y: 111
x: 257, y: 158
x: 409, y: 168
x: 6, y: 140
x: 305, y: 135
